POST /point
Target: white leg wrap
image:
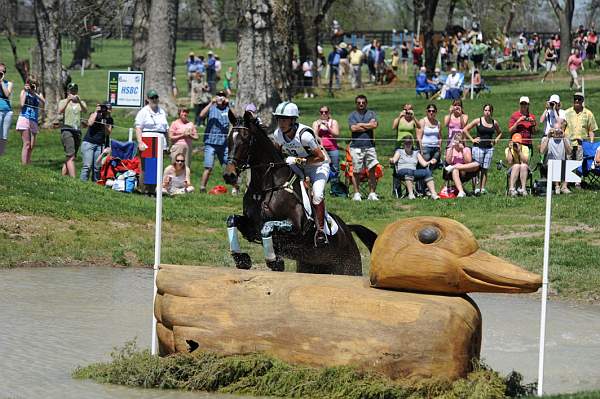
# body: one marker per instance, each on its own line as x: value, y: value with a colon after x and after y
x: 268, y: 248
x: 234, y: 242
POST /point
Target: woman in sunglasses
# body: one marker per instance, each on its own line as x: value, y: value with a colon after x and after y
x: 429, y: 136
x: 328, y: 131
x: 405, y: 124
x: 176, y: 178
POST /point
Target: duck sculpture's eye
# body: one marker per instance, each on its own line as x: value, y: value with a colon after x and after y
x: 429, y: 235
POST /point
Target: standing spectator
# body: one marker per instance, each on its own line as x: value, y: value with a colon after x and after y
x: 429, y: 136
x: 521, y: 51
x: 405, y: 162
x: 181, y: 134
x: 581, y: 125
x: 195, y: 92
x: 344, y: 63
x: 555, y: 146
x: 379, y: 57
x: 461, y: 165
x: 320, y: 65
x: 395, y: 61
x: 362, y: 123
x: 6, y: 112
x: 356, y: 60
x: 464, y: 51
x: 573, y: 64
x: 404, y: 57
x: 417, y: 53
x: 488, y: 135
x: 211, y: 72
x: 192, y: 65
x: 307, y: 71
x: 523, y: 122
x: 456, y: 120
x: 444, y: 54
x: 549, y: 61
x: 100, y: 125
x: 334, y: 68
x: 218, y: 68
x: 369, y: 51
x: 70, y: 133
x: 517, y: 156
x: 592, y: 40
x: 552, y: 113
x: 176, y: 178
x: 405, y: 124
x: 328, y: 131
x: 151, y: 118
x: 228, y: 82
x: 478, y: 52
x: 27, y: 123
x: 556, y: 45
x: 215, y: 136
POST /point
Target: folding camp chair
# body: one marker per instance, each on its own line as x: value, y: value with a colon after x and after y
x: 363, y: 183
x: 590, y: 176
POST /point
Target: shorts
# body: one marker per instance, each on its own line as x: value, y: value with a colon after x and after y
x: 477, y: 58
x: 71, y: 140
x: 210, y: 151
x: 308, y: 81
x: 550, y: 66
x: 483, y: 156
x: 27, y: 124
x: 577, y: 152
x: 5, y: 121
x: 573, y: 73
x: 363, y: 157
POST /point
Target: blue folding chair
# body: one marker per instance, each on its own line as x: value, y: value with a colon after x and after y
x: 590, y: 176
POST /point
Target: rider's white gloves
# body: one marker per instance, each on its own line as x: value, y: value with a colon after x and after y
x: 295, y: 161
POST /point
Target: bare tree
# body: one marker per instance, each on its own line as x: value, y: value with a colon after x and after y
x: 210, y: 24
x: 590, y: 15
x: 139, y: 34
x: 449, y: 21
x: 425, y: 11
x: 264, y: 54
x: 8, y: 16
x: 564, y: 13
x: 160, y: 62
x: 511, y: 6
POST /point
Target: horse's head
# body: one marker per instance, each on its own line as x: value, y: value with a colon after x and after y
x: 238, y: 141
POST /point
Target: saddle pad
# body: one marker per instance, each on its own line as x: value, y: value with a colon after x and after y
x: 331, y: 227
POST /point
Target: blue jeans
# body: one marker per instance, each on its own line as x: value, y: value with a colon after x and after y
x: 415, y: 174
x: 334, y: 166
x: 90, y: 153
x: 210, y: 150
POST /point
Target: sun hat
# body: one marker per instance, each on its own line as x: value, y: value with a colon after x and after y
x: 524, y: 99
x: 343, y: 45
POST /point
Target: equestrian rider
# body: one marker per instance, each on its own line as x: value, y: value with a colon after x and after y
x: 299, y: 144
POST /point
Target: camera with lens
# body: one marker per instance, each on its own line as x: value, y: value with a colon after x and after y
x: 103, y: 109
x: 499, y: 165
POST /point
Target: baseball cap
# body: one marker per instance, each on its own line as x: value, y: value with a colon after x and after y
x: 578, y: 94
x: 453, y: 69
x: 221, y: 93
x: 210, y: 53
x: 250, y: 107
x: 554, y: 98
x: 524, y: 99
x: 152, y: 93
x: 343, y: 45
x: 191, y: 53
x: 517, y: 138
x: 72, y: 87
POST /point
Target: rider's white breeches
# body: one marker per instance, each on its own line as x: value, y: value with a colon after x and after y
x: 318, y: 177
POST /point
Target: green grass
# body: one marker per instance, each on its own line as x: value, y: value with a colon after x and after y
x: 48, y: 219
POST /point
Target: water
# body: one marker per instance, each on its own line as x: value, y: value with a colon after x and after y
x: 54, y: 319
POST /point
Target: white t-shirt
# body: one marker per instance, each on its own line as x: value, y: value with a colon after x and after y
x: 297, y: 146
x: 550, y: 120
x: 307, y: 69
x: 453, y: 82
x: 150, y: 121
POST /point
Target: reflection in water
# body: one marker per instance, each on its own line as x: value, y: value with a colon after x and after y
x: 54, y: 319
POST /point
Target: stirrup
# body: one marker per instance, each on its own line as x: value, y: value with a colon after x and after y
x: 321, y: 239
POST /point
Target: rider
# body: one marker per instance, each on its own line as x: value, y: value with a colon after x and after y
x: 298, y: 142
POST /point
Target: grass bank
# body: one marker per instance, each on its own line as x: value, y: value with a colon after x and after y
x: 48, y: 219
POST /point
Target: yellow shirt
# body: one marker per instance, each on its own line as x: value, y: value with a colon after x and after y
x: 579, y: 125
x: 515, y: 156
x: 356, y: 57
x: 395, y: 60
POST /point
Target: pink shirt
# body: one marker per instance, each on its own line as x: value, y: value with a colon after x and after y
x: 574, y: 62
x: 176, y: 130
x: 327, y: 139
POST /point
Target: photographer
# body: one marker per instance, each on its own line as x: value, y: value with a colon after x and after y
x: 27, y: 123
x: 517, y: 156
x: 405, y: 123
x: 523, y: 122
x: 6, y: 113
x: 215, y: 136
x: 100, y: 125
x: 70, y: 133
x: 552, y: 113
x: 558, y: 147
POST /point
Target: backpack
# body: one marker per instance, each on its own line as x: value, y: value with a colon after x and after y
x: 539, y: 187
x: 338, y: 189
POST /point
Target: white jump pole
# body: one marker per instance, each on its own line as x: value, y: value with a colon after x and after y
x: 130, y: 134
x: 583, y: 84
x: 158, y: 227
x: 472, y: 77
x: 549, y: 179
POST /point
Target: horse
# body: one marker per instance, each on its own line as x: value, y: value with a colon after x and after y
x: 274, y: 214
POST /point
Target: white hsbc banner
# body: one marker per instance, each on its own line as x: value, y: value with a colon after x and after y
x: 126, y: 88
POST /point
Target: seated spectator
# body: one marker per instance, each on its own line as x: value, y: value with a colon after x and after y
x: 181, y: 134
x: 477, y: 84
x: 176, y: 178
x: 555, y: 146
x: 596, y: 164
x: 405, y: 161
x: 452, y: 87
x: 517, y: 156
x: 425, y: 85
x: 461, y: 166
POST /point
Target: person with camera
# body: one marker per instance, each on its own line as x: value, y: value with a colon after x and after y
x: 6, y: 113
x: 523, y: 122
x: 328, y: 130
x: 181, y: 134
x: 517, y: 156
x: 552, y: 113
x: 100, y: 124
x: 555, y: 146
x: 215, y: 135
x: 456, y: 120
x: 405, y: 123
x: 27, y: 123
x: 70, y: 132
x: 460, y: 164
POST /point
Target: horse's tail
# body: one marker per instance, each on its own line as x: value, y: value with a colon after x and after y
x: 366, y: 235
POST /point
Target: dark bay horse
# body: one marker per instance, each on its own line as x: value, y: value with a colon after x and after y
x: 273, y: 212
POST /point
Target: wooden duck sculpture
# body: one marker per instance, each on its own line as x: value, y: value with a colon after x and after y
x: 328, y: 320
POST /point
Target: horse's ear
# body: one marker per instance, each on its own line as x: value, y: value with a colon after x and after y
x: 248, y: 118
x: 232, y: 117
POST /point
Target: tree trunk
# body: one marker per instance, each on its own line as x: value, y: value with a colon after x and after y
x: 427, y: 29
x: 565, y: 21
x: 210, y: 24
x: 139, y: 34
x: 48, y: 21
x: 8, y: 16
x: 82, y: 52
x: 161, y: 55
x: 264, y: 55
x: 316, y: 320
x: 509, y: 20
x: 450, y: 20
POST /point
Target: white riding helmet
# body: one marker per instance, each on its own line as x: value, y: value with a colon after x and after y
x: 288, y: 109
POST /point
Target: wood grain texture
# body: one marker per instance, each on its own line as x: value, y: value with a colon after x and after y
x: 316, y: 320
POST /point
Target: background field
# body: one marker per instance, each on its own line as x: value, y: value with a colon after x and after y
x: 48, y: 219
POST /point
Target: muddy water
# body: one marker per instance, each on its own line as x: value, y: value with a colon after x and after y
x: 53, y: 319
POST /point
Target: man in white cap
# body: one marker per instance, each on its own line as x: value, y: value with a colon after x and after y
x: 552, y: 113
x: 451, y: 89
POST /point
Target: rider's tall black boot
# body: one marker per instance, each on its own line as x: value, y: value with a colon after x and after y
x: 320, y: 236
